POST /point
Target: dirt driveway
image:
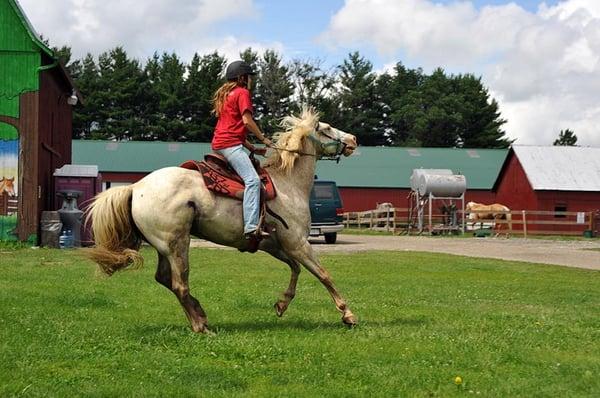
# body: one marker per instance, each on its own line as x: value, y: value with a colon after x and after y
x: 580, y: 254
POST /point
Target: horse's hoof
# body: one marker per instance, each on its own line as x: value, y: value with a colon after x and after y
x: 349, y: 320
x: 279, y: 308
x: 203, y: 329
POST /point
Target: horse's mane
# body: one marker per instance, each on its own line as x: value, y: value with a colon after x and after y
x: 292, y: 139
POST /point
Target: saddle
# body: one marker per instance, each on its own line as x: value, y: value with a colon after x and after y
x: 223, y: 180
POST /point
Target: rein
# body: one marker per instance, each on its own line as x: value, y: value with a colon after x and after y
x: 292, y: 151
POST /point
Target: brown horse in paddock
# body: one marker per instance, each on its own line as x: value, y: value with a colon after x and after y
x: 479, y: 212
x: 7, y: 185
x: 169, y: 205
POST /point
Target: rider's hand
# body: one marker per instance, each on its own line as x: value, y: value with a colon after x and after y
x: 260, y: 151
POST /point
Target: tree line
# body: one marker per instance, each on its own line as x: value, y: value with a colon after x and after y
x: 167, y: 99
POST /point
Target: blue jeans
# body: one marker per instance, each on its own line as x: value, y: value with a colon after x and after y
x: 240, y: 161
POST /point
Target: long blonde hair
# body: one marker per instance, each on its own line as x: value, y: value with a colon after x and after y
x: 221, y: 94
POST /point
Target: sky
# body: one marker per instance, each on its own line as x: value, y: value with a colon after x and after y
x: 539, y: 59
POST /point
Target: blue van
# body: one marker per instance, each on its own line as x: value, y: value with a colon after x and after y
x: 326, y: 210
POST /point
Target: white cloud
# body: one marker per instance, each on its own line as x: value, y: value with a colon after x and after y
x: 543, y: 67
x: 142, y: 27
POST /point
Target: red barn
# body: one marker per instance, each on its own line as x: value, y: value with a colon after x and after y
x: 550, y: 178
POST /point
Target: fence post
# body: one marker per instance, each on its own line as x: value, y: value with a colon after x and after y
x: 371, y: 220
x: 591, y: 213
x: 387, y: 221
x: 524, y: 224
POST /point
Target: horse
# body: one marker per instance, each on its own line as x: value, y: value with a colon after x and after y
x: 7, y: 185
x: 495, y: 211
x: 122, y: 217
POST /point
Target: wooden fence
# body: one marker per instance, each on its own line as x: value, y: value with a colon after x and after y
x: 8, y: 204
x: 522, y: 222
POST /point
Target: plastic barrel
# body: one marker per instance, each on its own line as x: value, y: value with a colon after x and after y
x: 51, y: 226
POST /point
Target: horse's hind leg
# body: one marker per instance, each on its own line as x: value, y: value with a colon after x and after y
x: 173, y: 272
x: 305, y: 255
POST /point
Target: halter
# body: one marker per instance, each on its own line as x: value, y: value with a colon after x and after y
x: 339, y: 144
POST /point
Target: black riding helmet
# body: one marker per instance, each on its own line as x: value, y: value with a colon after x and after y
x: 237, y: 69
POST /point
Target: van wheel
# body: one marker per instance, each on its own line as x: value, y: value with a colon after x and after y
x: 331, y: 238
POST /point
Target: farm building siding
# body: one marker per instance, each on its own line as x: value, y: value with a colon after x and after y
x: 33, y: 121
x: 360, y: 199
x: 55, y: 129
x: 513, y: 189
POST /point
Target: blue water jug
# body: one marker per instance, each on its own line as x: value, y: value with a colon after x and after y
x: 63, y: 239
x: 70, y: 239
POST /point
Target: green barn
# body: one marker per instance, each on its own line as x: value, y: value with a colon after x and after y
x: 36, y: 100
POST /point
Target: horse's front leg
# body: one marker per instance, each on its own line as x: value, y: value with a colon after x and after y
x: 282, y: 304
x: 304, y: 254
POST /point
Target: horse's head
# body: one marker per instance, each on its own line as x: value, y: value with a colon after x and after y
x: 9, y: 186
x: 306, y: 136
x: 332, y: 142
x: 328, y: 141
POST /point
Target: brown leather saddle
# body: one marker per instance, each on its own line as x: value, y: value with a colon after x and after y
x: 222, y: 179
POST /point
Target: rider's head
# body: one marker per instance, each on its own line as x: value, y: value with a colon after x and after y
x: 239, y: 72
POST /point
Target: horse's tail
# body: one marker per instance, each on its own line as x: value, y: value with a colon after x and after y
x: 116, y: 237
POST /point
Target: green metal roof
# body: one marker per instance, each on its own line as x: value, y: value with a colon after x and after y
x: 136, y: 156
x: 375, y: 167
x: 391, y: 167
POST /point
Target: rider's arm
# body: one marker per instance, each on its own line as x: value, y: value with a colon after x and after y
x: 254, y: 129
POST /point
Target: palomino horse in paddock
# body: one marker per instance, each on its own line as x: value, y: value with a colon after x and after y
x: 170, y: 204
x: 479, y: 212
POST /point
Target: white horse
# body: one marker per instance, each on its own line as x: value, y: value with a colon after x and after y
x: 170, y: 204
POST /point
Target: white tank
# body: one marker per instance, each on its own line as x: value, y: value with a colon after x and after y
x: 439, y: 182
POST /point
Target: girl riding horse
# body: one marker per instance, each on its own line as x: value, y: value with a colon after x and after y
x: 233, y: 106
x: 124, y: 216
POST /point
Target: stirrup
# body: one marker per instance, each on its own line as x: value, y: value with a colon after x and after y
x: 259, y: 233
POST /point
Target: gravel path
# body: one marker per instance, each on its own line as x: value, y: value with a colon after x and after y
x: 576, y: 253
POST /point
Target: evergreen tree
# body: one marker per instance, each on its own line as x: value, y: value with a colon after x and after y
x: 566, y: 138
x: 86, y: 118
x: 273, y: 91
x: 481, y: 123
x: 120, y: 95
x: 399, y: 91
x: 360, y: 110
x: 170, y: 89
x: 313, y: 88
x: 204, y: 78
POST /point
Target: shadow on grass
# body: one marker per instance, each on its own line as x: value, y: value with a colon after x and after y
x: 278, y: 325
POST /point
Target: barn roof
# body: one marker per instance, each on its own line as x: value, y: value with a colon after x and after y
x: 373, y: 167
x: 35, y: 37
x: 560, y: 168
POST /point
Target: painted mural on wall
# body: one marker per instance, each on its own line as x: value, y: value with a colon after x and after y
x: 9, y: 178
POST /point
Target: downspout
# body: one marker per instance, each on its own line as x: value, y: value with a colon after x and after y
x: 46, y: 67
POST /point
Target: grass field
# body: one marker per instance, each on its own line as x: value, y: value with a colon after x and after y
x: 507, y: 329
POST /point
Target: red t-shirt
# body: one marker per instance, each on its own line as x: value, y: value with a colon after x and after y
x: 230, y: 130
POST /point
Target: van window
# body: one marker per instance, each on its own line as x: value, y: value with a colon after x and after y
x: 323, y: 191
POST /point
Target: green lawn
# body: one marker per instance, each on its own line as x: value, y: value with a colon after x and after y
x: 506, y: 328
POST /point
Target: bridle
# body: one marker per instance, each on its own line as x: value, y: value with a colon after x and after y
x: 340, y: 146
x: 338, y: 143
